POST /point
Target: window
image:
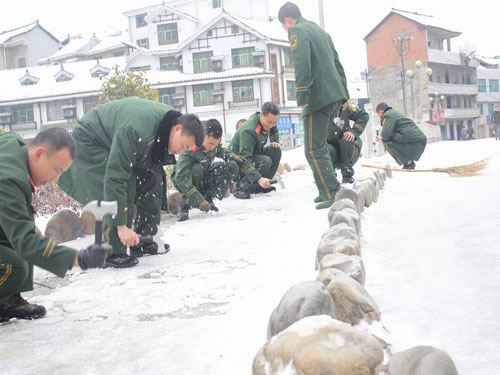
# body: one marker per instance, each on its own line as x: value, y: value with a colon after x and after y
x: 119, y: 53
x: 143, y: 43
x: 235, y: 29
x: 203, y: 94
x: 202, y: 62
x: 28, y: 82
x: 468, y: 79
x: 217, y: 4
x: 447, y: 77
x: 448, y: 102
x: 167, y: 95
x: 482, y: 85
x: 21, y: 62
x: 290, y: 90
x: 168, y: 34
x: 481, y: 109
x: 243, y: 57
x: 64, y: 78
x: 89, y: 103
x: 140, y: 20
x: 287, y: 52
x: 493, y: 85
x: 22, y: 114
x: 491, y: 107
x: 169, y: 63
x: 55, y: 109
x: 243, y: 90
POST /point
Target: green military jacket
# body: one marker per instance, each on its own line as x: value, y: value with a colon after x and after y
x: 250, y: 140
x: 399, y: 129
x: 351, y: 113
x: 319, y: 76
x: 17, y: 225
x: 127, y: 129
x: 182, y: 174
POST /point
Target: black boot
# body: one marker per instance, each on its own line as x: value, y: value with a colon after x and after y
x: 144, y: 249
x: 260, y: 189
x: 213, y: 207
x: 347, y: 180
x: 120, y: 261
x: 183, y: 213
x: 409, y: 165
x: 17, y: 307
x: 240, y: 193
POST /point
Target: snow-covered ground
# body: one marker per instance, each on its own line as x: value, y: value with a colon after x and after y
x: 430, y: 246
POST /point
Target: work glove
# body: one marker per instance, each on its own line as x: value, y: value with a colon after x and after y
x: 204, y: 206
x: 240, y: 160
x: 94, y: 256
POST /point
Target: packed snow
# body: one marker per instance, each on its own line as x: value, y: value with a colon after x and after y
x: 430, y: 246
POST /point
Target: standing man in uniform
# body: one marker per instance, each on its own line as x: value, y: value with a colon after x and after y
x: 262, y: 161
x: 22, y: 169
x: 199, y: 179
x: 321, y: 90
x: 344, y: 142
x: 495, y: 118
x: 402, y: 138
x: 123, y: 146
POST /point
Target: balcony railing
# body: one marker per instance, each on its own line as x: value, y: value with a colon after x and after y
x: 245, y: 103
x: 458, y: 113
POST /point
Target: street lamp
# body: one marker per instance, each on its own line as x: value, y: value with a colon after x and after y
x: 410, y: 74
x: 367, y: 76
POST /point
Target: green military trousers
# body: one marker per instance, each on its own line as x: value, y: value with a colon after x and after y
x: 316, y: 125
x: 145, y: 191
x: 16, y: 275
x: 266, y: 164
x: 344, y: 155
x: 405, y: 152
x: 214, y: 181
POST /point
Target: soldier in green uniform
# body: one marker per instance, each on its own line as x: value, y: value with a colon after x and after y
x: 321, y: 89
x: 199, y: 178
x: 344, y: 142
x: 123, y: 147
x: 402, y: 139
x: 22, y: 169
x: 263, y: 161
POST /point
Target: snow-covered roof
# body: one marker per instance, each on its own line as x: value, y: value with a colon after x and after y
x: 271, y: 30
x: 8, y: 34
x: 142, y: 10
x: 12, y: 92
x: 77, y: 46
x: 430, y: 22
x: 153, y: 14
x: 111, y: 43
x: 176, y: 78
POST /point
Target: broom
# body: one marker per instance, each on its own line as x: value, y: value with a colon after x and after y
x: 457, y: 171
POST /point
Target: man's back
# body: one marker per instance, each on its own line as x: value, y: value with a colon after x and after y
x: 320, y: 77
x: 397, y: 128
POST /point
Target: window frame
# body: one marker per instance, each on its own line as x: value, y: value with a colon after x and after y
x: 173, y: 31
x: 22, y: 114
x: 235, y: 54
x: 292, y: 97
x: 144, y: 23
x: 493, y: 85
x: 239, y: 87
x: 201, y: 93
x: 138, y: 42
x: 210, y: 65
x: 481, y: 85
x: 167, y: 92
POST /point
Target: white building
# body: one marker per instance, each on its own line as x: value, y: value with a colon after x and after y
x: 488, y: 97
x: 217, y: 59
x: 51, y: 95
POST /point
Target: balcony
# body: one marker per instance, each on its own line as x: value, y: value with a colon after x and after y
x: 451, y: 89
x: 23, y: 126
x: 242, y: 104
x: 461, y: 113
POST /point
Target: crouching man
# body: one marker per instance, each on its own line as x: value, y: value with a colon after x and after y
x: 199, y: 178
x: 250, y: 142
x: 22, y: 169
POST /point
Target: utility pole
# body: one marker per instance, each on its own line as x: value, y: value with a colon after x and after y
x: 401, y: 49
x: 321, y: 14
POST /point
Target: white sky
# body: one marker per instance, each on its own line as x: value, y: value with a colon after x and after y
x: 347, y: 22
